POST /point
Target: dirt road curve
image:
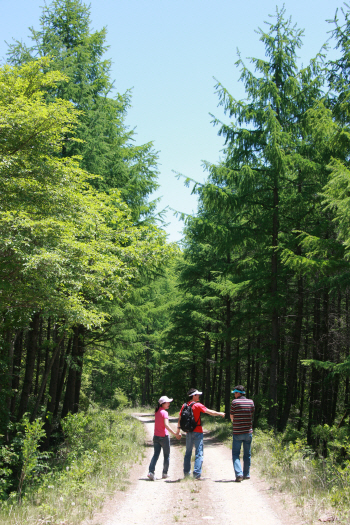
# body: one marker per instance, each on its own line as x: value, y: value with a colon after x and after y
x: 216, y: 498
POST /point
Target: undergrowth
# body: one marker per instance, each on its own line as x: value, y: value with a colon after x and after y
x: 89, y: 465
x: 319, y: 486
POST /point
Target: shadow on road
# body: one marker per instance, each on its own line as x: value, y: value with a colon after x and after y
x: 224, y: 481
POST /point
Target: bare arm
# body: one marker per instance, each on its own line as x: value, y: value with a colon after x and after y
x: 178, y: 426
x: 168, y: 427
x: 214, y: 413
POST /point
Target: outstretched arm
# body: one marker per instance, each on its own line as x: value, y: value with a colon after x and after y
x: 214, y: 413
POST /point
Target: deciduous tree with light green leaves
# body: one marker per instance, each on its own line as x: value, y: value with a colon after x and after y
x: 67, y: 250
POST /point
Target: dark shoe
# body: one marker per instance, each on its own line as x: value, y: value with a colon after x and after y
x: 246, y: 477
x: 239, y: 479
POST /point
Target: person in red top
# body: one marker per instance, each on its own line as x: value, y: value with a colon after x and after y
x: 196, y: 437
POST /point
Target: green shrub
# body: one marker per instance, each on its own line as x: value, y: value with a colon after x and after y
x: 8, y: 458
x: 318, y: 483
x: 33, y: 434
x: 119, y: 399
x: 91, y: 462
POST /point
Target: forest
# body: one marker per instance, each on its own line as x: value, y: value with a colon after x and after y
x: 99, y: 309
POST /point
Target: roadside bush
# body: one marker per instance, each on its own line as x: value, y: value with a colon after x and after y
x: 33, y: 434
x: 119, y: 399
x: 8, y: 458
x: 21, y: 460
x: 319, y: 484
x: 92, y: 461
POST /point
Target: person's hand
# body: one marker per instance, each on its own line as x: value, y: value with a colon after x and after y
x: 222, y: 414
x: 178, y: 436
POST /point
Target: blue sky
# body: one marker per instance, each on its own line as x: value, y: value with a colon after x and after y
x: 168, y: 52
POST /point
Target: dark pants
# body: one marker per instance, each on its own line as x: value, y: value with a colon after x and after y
x: 158, y: 444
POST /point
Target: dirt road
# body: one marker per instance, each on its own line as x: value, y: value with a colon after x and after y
x: 215, y: 498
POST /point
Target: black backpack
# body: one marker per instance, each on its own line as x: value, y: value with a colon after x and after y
x: 187, y: 421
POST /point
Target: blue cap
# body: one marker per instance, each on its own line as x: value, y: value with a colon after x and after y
x: 238, y: 391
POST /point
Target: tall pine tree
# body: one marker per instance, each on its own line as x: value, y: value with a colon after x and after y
x: 104, y: 141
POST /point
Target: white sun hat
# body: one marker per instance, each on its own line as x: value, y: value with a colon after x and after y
x: 164, y: 399
x: 196, y: 393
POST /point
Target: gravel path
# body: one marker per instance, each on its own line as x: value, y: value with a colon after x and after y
x: 215, y: 498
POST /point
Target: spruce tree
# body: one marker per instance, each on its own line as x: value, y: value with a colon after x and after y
x: 270, y: 168
x: 104, y: 141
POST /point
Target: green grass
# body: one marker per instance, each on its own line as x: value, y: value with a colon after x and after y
x: 89, y: 466
x: 318, y: 486
x: 101, y: 445
x: 219, y: 428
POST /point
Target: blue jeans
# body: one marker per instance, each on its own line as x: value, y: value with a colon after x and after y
x: 237, y: 440
x: 158, y: 444
x: 196, y: 439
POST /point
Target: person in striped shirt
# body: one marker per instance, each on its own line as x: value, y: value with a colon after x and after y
x: 241, y: 414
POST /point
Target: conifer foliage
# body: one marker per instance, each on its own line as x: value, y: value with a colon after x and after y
x: 265, y: 268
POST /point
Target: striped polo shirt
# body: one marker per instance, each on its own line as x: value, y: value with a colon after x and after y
x: 242, y: 410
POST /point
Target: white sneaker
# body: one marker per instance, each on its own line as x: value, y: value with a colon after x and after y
x: 151, y: 476
x: 165, y: 476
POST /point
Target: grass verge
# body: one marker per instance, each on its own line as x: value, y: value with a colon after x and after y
x: 319, y: 487
x: 89, y: 466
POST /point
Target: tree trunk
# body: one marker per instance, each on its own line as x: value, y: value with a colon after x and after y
x: 48, y: 337
x: 32, y: 345
x: 207, y: 347
x: 292, y: 372
x: 80, y: 356
x: 45, y: 378
x: 52, y: 393
x: 17, y: 359
x: 257, y: 369
x: 146, y: 378
x: 252, y: 372
x: 219, y: 391
x: 303, y: 375
x: 38, y: 361
x: 69, y: 398
x: 347, y: 352
x: 228, y: 359
x: 237, y: 367
x: 315, y: 410
x: 11, y: 349
x: 213, y: 386
x: 326, y: 393
x: 9, y: 339
x: 62, y: 377
x: 272, y: 419
x: 248, y: 368
x: 336, y: 360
